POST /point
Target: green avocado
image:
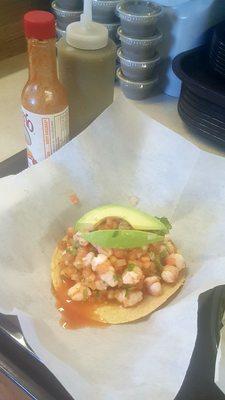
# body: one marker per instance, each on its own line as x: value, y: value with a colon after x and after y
x: 136, y: 218
x: 121, y: 239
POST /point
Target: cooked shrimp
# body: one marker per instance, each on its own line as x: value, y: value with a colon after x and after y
x: 98, y: 260
x: 132, y: 277
x: 170, y: 274
x: 120, y: 295
x: 177, y: 260
x: 79, y: 292
x: 133, y: 298
x: 129, y: 299
x: 153, y: 285
x: 108, y: 276
x: 152, y: 279
x: 88, y: 258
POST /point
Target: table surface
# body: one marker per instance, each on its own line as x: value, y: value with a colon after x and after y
x: 13, y: 75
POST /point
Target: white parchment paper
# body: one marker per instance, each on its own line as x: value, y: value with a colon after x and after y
x: 123, y: 153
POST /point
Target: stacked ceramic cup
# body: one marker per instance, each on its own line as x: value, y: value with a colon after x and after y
x: 104, y: 12
x: 138, y: 55
x: 66, y: 11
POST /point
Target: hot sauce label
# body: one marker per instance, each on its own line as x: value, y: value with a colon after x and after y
x: 44, y: 134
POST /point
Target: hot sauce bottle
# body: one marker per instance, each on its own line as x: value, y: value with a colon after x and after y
x: 44, y: 100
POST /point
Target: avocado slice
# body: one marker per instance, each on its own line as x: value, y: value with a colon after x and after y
x: 121, y: 239
x: 136, y: 218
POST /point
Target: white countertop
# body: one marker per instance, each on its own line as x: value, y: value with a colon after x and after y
x: 13, y: 75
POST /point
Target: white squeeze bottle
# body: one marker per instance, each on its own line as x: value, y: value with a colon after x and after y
x: 44, y: 100
x: 86, y: 58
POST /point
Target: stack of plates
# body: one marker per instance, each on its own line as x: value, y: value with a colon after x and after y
x: 201, y: 115
x: 217, y: 51
x: 202, y: 100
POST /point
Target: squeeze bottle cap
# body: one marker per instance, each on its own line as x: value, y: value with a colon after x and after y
x: 86, y: 34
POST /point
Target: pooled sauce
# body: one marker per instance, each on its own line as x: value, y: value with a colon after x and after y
x: 75, y: 314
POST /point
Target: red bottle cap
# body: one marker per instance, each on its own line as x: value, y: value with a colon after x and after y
x: 39, y: 25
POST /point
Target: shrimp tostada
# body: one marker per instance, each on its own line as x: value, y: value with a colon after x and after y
x: 116, y: 265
